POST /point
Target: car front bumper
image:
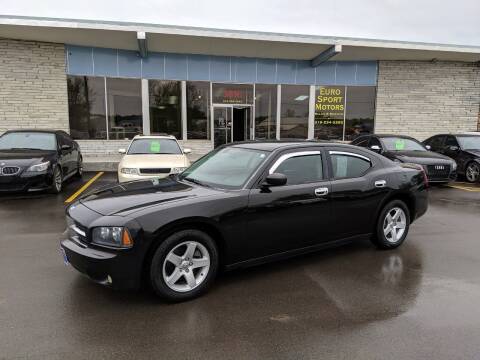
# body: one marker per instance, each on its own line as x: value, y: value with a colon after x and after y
x: 20, y: 183
x: 117, y: 269
x: 128, y: 177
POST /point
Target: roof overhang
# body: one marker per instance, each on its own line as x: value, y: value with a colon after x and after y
x: 181, y: 39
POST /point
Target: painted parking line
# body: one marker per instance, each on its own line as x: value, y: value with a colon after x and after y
x: 466, y: 188
x: 83, y: 188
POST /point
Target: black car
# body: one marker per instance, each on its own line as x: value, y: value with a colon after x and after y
x: 33, y: 160
x: 405, y: 149
x: 463, y: 148
x: 240, y: 205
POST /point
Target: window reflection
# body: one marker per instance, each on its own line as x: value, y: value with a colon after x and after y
x: 265, y: 111
x: 360, y: 111
x: 198, y: 105
x: 124, y: 101
x: 165, y: 108
x: 86, y: 107
x: 294, y: 111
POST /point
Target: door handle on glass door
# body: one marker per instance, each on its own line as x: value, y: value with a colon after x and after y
x: 380, y: 183
x: 321, y: 191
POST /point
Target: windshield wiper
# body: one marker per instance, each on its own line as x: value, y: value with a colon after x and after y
x: 195, y: 181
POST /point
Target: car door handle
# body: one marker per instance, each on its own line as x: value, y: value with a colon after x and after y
x: 380, y: 183
x: 321, y: 191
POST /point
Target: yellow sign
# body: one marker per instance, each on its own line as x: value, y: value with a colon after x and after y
x: 330, y: 105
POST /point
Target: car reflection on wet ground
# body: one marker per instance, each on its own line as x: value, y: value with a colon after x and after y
x: 418, y: 301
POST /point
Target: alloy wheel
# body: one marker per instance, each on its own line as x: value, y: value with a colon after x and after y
x: 186, y: 266
x: 473, y: 172
x: 394, y: 224
x: 80, y: 167
x: 58, y: 180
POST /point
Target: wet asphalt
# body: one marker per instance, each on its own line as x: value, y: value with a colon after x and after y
x: 354, y: 302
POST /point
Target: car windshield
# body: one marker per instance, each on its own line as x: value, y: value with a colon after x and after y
x: 28, y: 141
x: 402, y: 144
x: 154, y: 146
x: 469, y: 142
x: 227, y: 168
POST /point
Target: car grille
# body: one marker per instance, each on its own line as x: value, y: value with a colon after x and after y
x: 155, y: 171
x: 438, y: 172
x: 9, y: 170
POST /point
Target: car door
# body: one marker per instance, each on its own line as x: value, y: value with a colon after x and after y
x: 295, y: 215
x: 358, y: 184
x: 65, y: 155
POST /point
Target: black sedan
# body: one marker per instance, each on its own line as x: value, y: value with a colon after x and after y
x: 405, y: 149
x: 240, y: 205
x: 33, y: 160
x: 463, y: 148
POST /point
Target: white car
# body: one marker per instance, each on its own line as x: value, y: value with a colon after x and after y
x: 152, y: 156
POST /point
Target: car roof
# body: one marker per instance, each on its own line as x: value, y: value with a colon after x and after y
x: 154, y: 137
x: 46, y: 131
x: 273, y: 145
x: 394, y: 135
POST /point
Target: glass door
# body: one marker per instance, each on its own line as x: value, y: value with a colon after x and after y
x: 222, y: 125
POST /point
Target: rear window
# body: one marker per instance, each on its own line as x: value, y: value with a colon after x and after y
x: 28, y: 141
x: 154, y: 146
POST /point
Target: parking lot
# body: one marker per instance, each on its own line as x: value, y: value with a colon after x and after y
x: 418, y: 301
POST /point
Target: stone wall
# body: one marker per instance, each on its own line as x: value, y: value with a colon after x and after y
x: 33, y: 85
x: 421, y: 99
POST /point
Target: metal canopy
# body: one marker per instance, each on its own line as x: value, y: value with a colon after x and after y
x: 326, y: 55
x: 181, y: 39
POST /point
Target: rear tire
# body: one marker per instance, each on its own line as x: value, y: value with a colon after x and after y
x: 57, y: 181
x: 184, y: 266
x: 392, y: 225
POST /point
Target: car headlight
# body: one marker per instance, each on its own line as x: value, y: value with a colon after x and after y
x: 39, y: 167
x: 112, y: 236
x: 177, y: 170
x: 129, y: 171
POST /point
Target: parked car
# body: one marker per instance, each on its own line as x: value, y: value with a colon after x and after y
x: 463, y: 148
x: 405, y: 149
x: 153, y: 156
x: 241, y: 204
x: 33, y: 160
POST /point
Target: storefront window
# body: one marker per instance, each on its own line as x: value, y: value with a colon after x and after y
x: 86, y: 107
x: 165, y: 107
x: 329, y: 112
x: 124, y: 102
x: 265, y: 111
x: 294, y: 112
x: 360, y: 111
x: 232, y: 93
x: 198, y: 105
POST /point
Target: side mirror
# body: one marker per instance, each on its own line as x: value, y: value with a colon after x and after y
x: 66, y: 147
x: 122, y: 151
x: 275, y: 179
x: 453, y: 148
x: 187, y: 151
x: 375, y: 148
x: 428, y: 147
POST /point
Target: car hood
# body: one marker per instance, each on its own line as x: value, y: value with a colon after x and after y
x: 419, y: 157
x: 474, y: 152
x: 154, y: 161
x: 24, y: 158
x: 126, y: 198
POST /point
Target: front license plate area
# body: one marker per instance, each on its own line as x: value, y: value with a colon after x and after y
x: 64, y: 256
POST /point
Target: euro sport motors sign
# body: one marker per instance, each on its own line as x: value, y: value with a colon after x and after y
x: 329, y: 112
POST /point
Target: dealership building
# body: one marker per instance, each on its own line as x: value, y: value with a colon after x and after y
x: 104, y: 82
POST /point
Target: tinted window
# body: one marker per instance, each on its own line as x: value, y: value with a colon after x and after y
x: 265, y: 111
x: 451, y: 141
x: 154, y: 146
x: 363, y: 141
x: 294, y: 111
x: 348, y: 166
x: 165, y: 109
x: 28, y: 140
x: 375, y: 141
x: 301, y: 169
x: 436, y: 143
x: 228, y: 168
x: 198, y: 113
x: 86, y: 107
x: 360, y: 111
x: 402, y: 144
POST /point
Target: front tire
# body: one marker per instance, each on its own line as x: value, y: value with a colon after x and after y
x: 184, y: 265
x: 472, y: 172
x: 57, y: 181
x: 392, y: 225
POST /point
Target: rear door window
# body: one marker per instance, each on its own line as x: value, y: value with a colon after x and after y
x: 349, y: 165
